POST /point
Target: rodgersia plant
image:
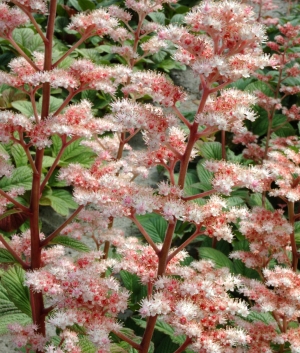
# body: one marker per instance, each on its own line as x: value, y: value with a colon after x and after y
x: 199, y: 304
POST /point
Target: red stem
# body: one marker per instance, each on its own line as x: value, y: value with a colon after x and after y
x: 37, y: 303
x: 199, y: 196
x: 163, y: 257
x: 184, y: 345
x: 145, y: 234
x: 127, y: 339
x: 192, y: 139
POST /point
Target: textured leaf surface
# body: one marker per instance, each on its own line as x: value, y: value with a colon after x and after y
x: 21, y: 177
x: 13, y: 282
x: 6, y: 256
x: 211, y: 150
x: 217, y: 257
x: 19, y: 155
x: 155, y: 226
x: 70, y: 243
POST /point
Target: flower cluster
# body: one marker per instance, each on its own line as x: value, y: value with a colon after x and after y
x: 269, y: 236
x: 230, y: 48
x: 81, y: 296
x: 229, y: 175
x: 195, y: 305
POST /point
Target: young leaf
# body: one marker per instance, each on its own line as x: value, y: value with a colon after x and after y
x: 86, y: 5
x: 70, y: 243
x: 13, y: 282
x: 217, y: 257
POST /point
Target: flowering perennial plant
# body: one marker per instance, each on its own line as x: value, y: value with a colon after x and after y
x: 117, y: 296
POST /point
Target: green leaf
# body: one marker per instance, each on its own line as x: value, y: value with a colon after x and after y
x: 75, y: 4
x: 56, y: 145
x: 27, y: 39
x: 48, y: 161
x: 75, y: 153
x: 86, y: 5
x: 24, y: 107
x: 297, y: 232
x: 217, y: 257
x: 20, y: 318
x: 177, y: 19
x: 285, y: 129
x: 60, y: 200
x: 86, y: 345
x: 70, y: 243
x: 205, y: 177
x: 6, y: 256
x: 240, y: 268
x: 21, y: 177
x: 211, y: 150
x: 266, y: 318
x: 256, y: 200
x: 155, y: 226
x: 170, y: 64
x: 242, y: 83
x: 19, y: 155
x: 13, y: 282
x: 133, y: 283
x: 158, y: 17
x: 260, y: 86
x: 55, y: 103
x: 159, y: 56
x: 234, y: 201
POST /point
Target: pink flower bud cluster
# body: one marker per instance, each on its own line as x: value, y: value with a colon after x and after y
x: 227, y: 111
x: 156, y: 85
x: 283, y: 164
x: 27, y: 336
x: 81, y: 295
x: 143, y: 261
x: 230, y: 47
x: 98, y: 22
x: 229, y: 175
x: 268, y: 234
x: 282, y: 299
x: 147, y: 6
x: 36, y: 6
x: 10, y: 18
x: 195, y: 305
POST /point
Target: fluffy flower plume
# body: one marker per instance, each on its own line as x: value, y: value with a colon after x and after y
x: 196, y: 305
x: 98, y: 22
x: 10, y: 18
x: 269, y: 235
x: 228, y: 111
x: 230, y: 47
x: 228, y: 175
x: 81, y: 295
